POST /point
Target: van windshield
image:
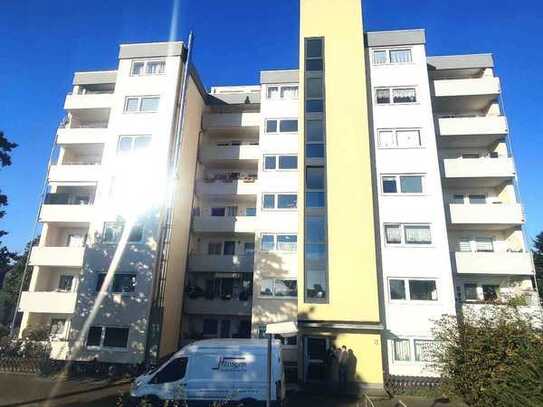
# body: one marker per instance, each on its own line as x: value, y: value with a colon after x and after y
x: 172, y: 372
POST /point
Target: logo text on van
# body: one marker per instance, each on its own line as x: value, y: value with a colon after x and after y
x: 231, y: 363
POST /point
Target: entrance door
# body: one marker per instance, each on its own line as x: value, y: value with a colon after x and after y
x: 315, y: 355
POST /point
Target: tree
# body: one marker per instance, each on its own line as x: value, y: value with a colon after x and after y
x: 538, y: 260
x: 492, y: 358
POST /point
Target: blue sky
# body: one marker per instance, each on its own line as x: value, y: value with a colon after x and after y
x: 44, y: 42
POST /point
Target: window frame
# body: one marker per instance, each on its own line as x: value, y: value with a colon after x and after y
x: 276, y: 201
x: 395, y: 132
x: 397, y: 179
x: 278, y: 125
x: 391, y: 90
x: 275, y: 242
x: 101, y: 346
x: 277, y: 160
x: 388, y: 59
x: 145, y: 62
x: 274, y: 281
x: 140, y: 100
x: 279, y: 88
x: 133, y: 138
x: 403, y: 242
x: 407, y: 290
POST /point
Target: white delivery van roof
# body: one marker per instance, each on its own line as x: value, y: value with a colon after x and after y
x: 213, y: 345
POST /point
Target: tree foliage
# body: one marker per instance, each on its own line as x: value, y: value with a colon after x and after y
x: 494, y: 358
x: 538, y: 260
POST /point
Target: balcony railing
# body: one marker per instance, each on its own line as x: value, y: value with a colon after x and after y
x: 486, y: 214
x: 508, y: 263
x: 235, y: 224
x: 501, y: 167
x: 48, y: 302
x: 218, y: 263
x: 57, y: 256
x: 86, y: 171
x: 55, y: 198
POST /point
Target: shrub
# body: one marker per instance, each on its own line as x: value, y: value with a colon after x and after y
x: 494, y: 358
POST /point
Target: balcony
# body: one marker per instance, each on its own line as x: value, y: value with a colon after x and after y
x: 211, y: 263
x: 66, y: 213
x: 471, y: 131
x: 496, y: 216
x: 57, y: 256
x: 224, y: 224
x: 48, y: 302
x: 494, y: 263
x: 218, y: 188
x: 216, y: 306
x: 465, y: 95
x: 232, y: 121
x: 475, y: 172
x: 88, y: 101
x: 75, y: 172
x: 82, y: 135
x: 220, y: 154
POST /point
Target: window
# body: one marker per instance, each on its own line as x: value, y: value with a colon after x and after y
x: 218, y: 211
x: 136, y: 234
x: 94, y: 337
x: 423, y: 350
x: 400, y: 56
x: 248, y: 248
x: 115, y: 337
x: 458, y: 199
x: 112, y: 232
x: 470, y: 292
x: 282, y: 242
x: 389, y: 185
x: 490, y: 292
x: 314, y: 150
x: 314, y: 130
x: 422, y: 290
x: 282, y: 92
x: 133, y: 144
x: 484, y: 244
x: 314, y: 106
x: 280, y: 162
x: 412, y: 289
x: 250, y: 211
x: 409, y: 184
x: 392, y: 56
x: 279, y: 201
x: 124, y: 283
x: 65, y: 283
x: 399, y: 95
x: 214, y: 248
x: 172, y: 372
x: 399, y: 138
x: 229, y: 248
x: 402, y: 350
x: 272, y: 92
x: 281, y: 126
x: 477, y: 199
x: 412, y: 234
x: 100, y: 277
x: 314, y: 54
x: 57, y: 328
x: 278, y: 288
x: 154, y: 67
x: 141, y: 104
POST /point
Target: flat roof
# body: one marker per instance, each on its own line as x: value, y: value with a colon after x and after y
x: 469, y: 61
x: 279, y: 76
x: 151, y: 49
x: 395, y: 37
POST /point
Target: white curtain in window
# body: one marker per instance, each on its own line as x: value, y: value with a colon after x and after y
x: 417, y: 234
x: 379, y: 57
x: 154, y: 68
x: 404, y: 95
x: 484, y: 244
x: 289, y: 92
x: 393, y: 233
x: 386, y: 138
x: 423, y: 350
x: 401, y: 350
x: 400, y: 56
x: 408, y: 138
x: 382, y: 95
x: 273, y: 92
x: 464, y: 245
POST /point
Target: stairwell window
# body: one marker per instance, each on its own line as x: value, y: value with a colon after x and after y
x: 280, y: 162
x: 281, y: 126
x: 399, y: 138
x: 386, y: 96
x: 133, y: 144
x: 404, y: 289
x: 279, y: 201
x: 141, y: 104
x: 402, y: 184
x: 153, y: 67
x: 408, y: 234
x: 392, y: 56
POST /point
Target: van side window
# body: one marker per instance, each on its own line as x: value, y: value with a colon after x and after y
x: 172, y: 372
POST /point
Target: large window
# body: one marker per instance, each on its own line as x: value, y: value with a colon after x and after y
x: 280, y: 162
x: 150, y: 67
x: 386, y: 96
x: 402, y: 184
x: 412, y: 289
x: 314, y: 184
x: 279, y: 201
x: 281, y: 125
x: 281, y: 242
x: 122, y: 283
x: 275, y: 287
x: 391, y: 56
x: 65, y: 283
x: 133, y: 144
x: 113, y: 231
x: 107, y: 337
x: 408, y: 234
x: 399, y: 138
x: 134, y: 104
x: 172, y: 372
x: 402, y: 350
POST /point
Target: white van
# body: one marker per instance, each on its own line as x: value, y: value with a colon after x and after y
x: 225, y: 370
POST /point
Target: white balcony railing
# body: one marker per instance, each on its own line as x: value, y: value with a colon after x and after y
x: 237, y: 187
x: 227, y: 224
x: 89, y: 101
x: 493, y: 263
x: 486, y: 214
x: 464, y: 126
x: 82, y: 135
x: 75, y: 173
x: 57, y: 256
x: 467, y: 87
x: 231, y: 120
x: 242, y: 152
x: 67, y: 213
x: 212, y: 263
x: 49, y: 302
x: 501, y: 167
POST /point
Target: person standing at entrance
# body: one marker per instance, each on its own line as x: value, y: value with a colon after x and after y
x: 343, y: 358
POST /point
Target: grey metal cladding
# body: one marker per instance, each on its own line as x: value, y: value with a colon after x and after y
x: 151, y: 50
x: 93, y: 78
x: 397, y: 37
x: 283, y: 76
x: 233, y: 98
x: 473, y: 61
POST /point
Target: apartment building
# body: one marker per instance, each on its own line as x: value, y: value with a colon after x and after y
x: 362, y: 196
